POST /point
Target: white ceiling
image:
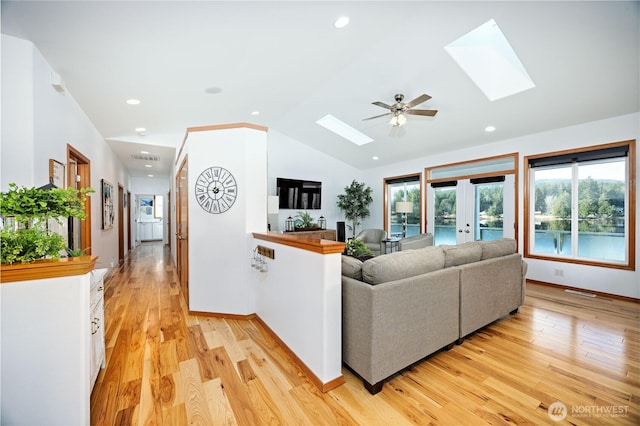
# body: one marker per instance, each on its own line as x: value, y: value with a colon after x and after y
x: 286, y: 60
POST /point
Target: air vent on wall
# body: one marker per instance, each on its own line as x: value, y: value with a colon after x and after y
x: 145, y: 157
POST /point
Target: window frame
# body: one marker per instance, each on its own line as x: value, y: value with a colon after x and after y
x: 630, y: 187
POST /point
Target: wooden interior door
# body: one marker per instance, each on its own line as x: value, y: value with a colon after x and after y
x: 169, y: 220
x: 182, y: 229
x: 78, y: 177
x: 129, y: 222
x: 120, y: 224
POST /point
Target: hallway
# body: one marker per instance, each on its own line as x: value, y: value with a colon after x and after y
x: 166, y: 367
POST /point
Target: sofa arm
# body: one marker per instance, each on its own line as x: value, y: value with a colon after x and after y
x: 416, y: 242
x: 525, y: 267
x: 389, y: 326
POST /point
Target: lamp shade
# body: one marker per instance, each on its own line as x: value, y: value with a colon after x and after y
x: 273, y: 204
x: 404, y: 207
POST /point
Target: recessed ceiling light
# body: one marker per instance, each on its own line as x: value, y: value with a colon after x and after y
x: 150, y: 175
x: 490, y: 128
x: 133, y: 101
x: 255, y: 112
x: 144, y: 152
x: 341, y: 128
x: 341, y: 22
x: 148, y: 165
x: 140, y: 129
x: 375, y: 157
x: 212, y: 90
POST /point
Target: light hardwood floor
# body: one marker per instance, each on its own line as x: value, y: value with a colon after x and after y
x: 165, y: 366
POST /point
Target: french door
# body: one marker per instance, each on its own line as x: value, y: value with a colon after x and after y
x: 472, y: 209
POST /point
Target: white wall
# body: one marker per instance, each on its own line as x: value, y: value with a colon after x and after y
x: 288, y: 158
x: 607, y: 280
x: 306, y: 286
x: 220, y: 244
x: 37, y: 124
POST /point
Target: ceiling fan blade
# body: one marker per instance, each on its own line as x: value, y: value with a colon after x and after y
x: 376, y: 116
x: 382, y: 104
x: 417, y: 101
x: 427, y: 112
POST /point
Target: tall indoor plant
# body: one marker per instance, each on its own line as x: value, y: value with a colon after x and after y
x: 25, y: 212
x: 355, y: 203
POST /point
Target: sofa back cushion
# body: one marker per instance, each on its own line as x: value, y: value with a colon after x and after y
x: 461, y: 254
x: 497, y: 248
x: 351, y: 267
x: 402, y: 264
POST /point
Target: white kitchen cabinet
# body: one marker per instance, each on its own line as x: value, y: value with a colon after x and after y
x: 156, y: 231
x: 150, y: 231
x: 97, y: 324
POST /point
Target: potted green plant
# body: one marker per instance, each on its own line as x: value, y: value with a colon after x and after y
x: 25, y: 214
x: 306, y: 222
x: 355, y: 203
x: 357, y: 249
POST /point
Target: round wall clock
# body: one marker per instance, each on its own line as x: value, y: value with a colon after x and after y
x: 216, y: 190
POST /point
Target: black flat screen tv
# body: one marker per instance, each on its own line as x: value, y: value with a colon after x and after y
x: 299, y: 194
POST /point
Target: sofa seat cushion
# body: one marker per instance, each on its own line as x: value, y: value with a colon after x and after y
x: 351, y: 267
x: 402, y: 264
x: 462, y: 254
x: 498, y: 248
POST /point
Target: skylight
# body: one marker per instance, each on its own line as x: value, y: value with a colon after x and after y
x: 490, y: 61
x: 341, y: 128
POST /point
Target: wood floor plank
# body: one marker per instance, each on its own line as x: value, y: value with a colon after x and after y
x: 196, y: 403
x: 165, y: 366
x: 219, y: 407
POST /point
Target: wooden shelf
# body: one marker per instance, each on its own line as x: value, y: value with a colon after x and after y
x: 47, y: 268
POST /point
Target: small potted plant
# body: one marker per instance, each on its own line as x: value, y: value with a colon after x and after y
x: 358, y: 249
x: 306, y: 222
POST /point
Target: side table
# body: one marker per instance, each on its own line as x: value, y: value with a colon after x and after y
x: 390, y: 245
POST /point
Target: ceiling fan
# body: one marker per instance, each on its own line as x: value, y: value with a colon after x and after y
x: 399, y: 109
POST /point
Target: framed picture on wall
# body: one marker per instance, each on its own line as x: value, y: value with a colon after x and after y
x: 56, y: 173
x: 107, y: 205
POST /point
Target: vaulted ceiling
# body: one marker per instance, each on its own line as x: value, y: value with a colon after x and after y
x: 212, y: 62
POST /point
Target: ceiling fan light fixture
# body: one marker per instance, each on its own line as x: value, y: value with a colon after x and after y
x: 398, y: 120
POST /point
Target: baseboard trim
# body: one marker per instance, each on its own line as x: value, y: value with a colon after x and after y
x: 584, y: 290
x: 323, y: 387
x: 223, y: 315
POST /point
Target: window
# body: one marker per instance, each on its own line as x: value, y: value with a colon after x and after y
x: 580, y: 206
x: 398, y: 189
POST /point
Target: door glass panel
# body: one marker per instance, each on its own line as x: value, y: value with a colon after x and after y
x: 488, y: 212
x: 444, y: 215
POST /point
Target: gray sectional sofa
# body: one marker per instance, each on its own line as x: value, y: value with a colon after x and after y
x: 400, y: 307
